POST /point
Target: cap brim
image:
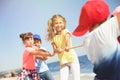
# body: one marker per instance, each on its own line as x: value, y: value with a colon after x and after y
x: 80, y: 31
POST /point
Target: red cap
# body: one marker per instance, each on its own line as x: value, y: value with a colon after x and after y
x: 92, y: 12
x: 117, y: 10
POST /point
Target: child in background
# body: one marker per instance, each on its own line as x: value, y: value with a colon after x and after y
x: 29, y: 56
x: 41, y: 65
x: 60, y: 39
x: 115, y: 12
x: 101, y: 44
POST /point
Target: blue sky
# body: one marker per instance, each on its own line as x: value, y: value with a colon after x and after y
x: 19, y: 16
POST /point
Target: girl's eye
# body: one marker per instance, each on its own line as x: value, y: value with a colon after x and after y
x: 56, y: 23
x: 27, y: 38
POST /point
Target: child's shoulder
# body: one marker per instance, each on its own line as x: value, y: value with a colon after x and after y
x: 65, y: 31
x: 29, y: 49
x: 112, y: 21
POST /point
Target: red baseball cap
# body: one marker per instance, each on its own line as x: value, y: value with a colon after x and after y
x: 92, y: 12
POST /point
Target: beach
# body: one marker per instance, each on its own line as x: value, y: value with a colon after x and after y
x: 83, y: 76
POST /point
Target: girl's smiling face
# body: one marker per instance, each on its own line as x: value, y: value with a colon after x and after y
x: 58, y: 24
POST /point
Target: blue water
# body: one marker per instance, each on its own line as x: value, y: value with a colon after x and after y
x: 85, y: 65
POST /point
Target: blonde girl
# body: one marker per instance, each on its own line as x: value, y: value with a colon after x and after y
x: 60, y: 39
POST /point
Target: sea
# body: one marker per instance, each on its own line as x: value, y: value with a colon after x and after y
x: 85, y: 65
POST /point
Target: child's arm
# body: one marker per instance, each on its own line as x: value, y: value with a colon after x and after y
x: 41, y: 57
x: 118, y: 17
x: 40, y: 52
x: 44, y: 53
x: 56, y: 49
x: 67, y: 41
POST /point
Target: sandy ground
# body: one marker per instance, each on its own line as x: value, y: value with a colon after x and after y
x: 83, y: 76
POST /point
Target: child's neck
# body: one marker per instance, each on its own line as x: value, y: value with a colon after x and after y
x: 58, y: 33
x: 94, y: 27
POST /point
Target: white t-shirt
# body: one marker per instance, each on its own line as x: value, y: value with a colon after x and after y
x: 102, y: 42
x: 41, y: 66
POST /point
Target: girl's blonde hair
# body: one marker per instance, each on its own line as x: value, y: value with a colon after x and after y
x: 50, y: 30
